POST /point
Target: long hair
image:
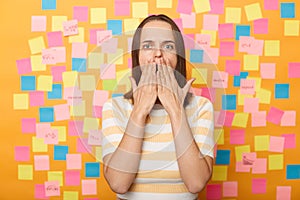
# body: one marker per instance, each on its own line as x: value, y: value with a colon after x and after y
x: 180, y: 52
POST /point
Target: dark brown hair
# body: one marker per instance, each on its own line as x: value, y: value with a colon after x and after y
x: 180, y: 70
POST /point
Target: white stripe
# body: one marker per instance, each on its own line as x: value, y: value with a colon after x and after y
x: 161, y: 146
x: 158, y: 180
x: 112, y: 122
x: 106, y: 151
x: 111, y: 138
x: 158, y: 196
x: 146, y: 165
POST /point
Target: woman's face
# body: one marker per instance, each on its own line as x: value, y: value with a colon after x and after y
x: 157, y: 44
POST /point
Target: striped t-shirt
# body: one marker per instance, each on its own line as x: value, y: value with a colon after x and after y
x: 158, y: 176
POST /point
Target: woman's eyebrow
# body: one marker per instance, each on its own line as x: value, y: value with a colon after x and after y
x: 147, y: 41
x: 168, y: 41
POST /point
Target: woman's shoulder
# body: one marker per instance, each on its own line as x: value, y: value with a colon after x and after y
x: 199, y: 101
x: 118, y: 102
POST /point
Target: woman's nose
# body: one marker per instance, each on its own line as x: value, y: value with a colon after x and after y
x: 157, y: 53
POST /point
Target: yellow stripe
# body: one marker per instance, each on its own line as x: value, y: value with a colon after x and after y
x: 113, y: 130
x: 158, y: 188
x: 158, y: 156
x: 166, y: 137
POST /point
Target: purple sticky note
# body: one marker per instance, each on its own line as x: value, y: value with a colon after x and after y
x: 271, y: 4
x: 259, y: 166
x: 230, y: 189
x: 185, y: 6
x: 22, y: 153
x: 122, y: 7
x: 28, y: 125
x: 72, y: 177
x: 24, y: 66
x: 75, y: 128
x: 56, y: 72
x: 294, y: 70
x: 261, y: 26
x: 39, y: 192
x: 81, y: 13
x: 274, y: 115
x: 55, y: 39
x: 83, y: 146
x: 288, y: 118
x: 283, y: 192
x: 226, y: 31
x: 237, y: 136
x: 289, y: 141
x: 36, y: 98
x: 259, y: 185
x: 213, y: 191
x: 233, y: 67
x: 227, y: 48
x: 216, y: 6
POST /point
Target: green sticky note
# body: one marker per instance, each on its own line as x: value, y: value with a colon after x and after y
x: 262, y: 142
x: 70, y: 195
x: 25, y: 172
x: 276, y: 162
x: 38, y: 145
x: 56, y: 176
x: 109, y: 84
x: 219, y: 173
x: 239, y: 150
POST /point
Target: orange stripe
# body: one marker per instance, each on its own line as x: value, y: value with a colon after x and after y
x: 159, y: 188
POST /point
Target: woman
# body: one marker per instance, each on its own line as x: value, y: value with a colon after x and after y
x: 158, y: 138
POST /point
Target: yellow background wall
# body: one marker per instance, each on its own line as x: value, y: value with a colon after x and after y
x: 15, y: 18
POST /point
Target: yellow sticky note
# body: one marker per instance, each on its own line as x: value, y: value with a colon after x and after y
x: 21, y: 101
x: 139, y: 9
x: 240, y: 120
x: 272, y: 47
x: 38, y: 145
x: 62, y: 132
x: 98, y: 154
x: 233, y: 15
x: 57, y: 22
x: 25, y: 172
x: 123, y: 75
x: 56, y: 176
x: 44, y: 83
x: 291, y: 27
x: 115, y: 58
x: 251, y: 62
x: 241, y: 98
x: 36, y: 63
x: 78, y: 109
x: 219, y: 173
x: 36, y: 45
x: 213, y: 36
x: 79, y: 37
x: 90, y: 123
x: 70, y: 195
x: 70, y: 78
x: 239, y: 150
x: 98, y: 15
x: 202, y: 6
x: 262, y: 142
x: 276, y: 162
x: 95, y: 60
x: 164, y: 3
x: 200, y: 74
x: 219, y: 136
x: 264, y: 96
x: 253, y: 11
x: 87, y: 82
x: 130, y: 25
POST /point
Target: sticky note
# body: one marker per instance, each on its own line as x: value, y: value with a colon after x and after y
x: 24, y: 66
x: 41, y: 162
x: 241, y: 98
x: 259, y: 166
x: 210, y: 22
x: 219, y: 135
x: 289, y: 141
x: 223, y: 157
x: 39, y: 191
x: 79, y: 37
x: 227, y: 48
x: 240, y: 167
x: 95, y: 59
x: 239, y: 150
x: 56, y: 92
x: 25, y: 172
x: 28, y: 83
x: 70, y: 27
x: 92, y: 169
x: 82, y: 146
x: 44, y: 83
x: 253, y: 11
x: 79, y: 50
x: 291, y: 27
x: 200, y: 74
x: 251, y: 62
x: 57, y: 22
x: 122, y: 7
x: 188, y: 20
x: 274, y: 115
x: 282, y: 91
x: 70, y: 78
x: 139, y: 9
x: 233, y: 67
x: 213, y: 36
x: 70, y: 195
x: 79, y: 64
x: 226, y: 31
x: 196, y: 56
x: 288, y: 118
x: 211, y: 55
x: 61, y: 112
x: 230, y: 189
x: 247, y: 86
x: 48, y: 4
x: 164, y: 3
x: 229, y: 102
x: 116, y: 26
x: 294, y: 70
x: 98, y: 154
x: 242, y: 30
x: 259, y: 185
x: 72, y: 177
x: 251, y: 45
x: 46, y: 114
x: 248, y: 159
x: 271, y: 4
x: 28, y: 125
x: 283, y: 192
x: 276, y: 144
x: 100, y: 97
x: 87, y: 82
x: 89, y: 187
x: 262, y: 142
x: 261, y: 26
x: 240, y: 120
x: 109, y: 84
x: 251, y: 105
x: 276, y: 162
x: 185, y: 6
x: 38, y: 145
x: 116, y: 58
x: 272, y: 48
x: 21, y: 101
x: 268, y: 70
x: 75, y: 127
x: 36, y: 98
x: 264, y: 96
x: 98, y: 15
x: 219, y: 79
x: 81, y: 13
x: 202, y: 6
x: 56, y: 176
x: 61, y: 132
x: 38, y: 23
x: 52, y: 188
x: 90, y: 123
x: 287, y: 10
x: 22, y: 153
x: 293, y: 172
x: 60, y: 152
x: 233, y: 15
x: 73, y: 161
x: 36, y: 44
x: 226, y: 118
x: 219, y: 173
x: 213, y: 191
x: 237, y: 136
x: 54, y: 39
x: 216, y: 6
x: 78, y: 109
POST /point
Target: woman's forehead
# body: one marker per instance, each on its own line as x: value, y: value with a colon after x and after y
x: 155, y: 30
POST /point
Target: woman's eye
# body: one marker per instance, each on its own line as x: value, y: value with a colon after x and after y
x: 169, y: 47
x: 146, y: 46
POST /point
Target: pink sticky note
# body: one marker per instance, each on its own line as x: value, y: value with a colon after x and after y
x: 271, y: 4
x: 51, y: 137
x: 42, y: 129
x: 89, y: 187
x: 202, y: 41
x: 122, y: 7
x: 38, y: 23
x: 251, y: 105
x: 210, y: 22
x: 100, y: 97
x: 185, y: 6
x: 48, y: 56
x: 249, y: 159
x: 103, y: 36
x: 259, y: 185
x: 261, y: 26
x: 93, y: 35
x: 226, y: 48
x: 233, y: 67
x: 289, y: 141
x: 213, y: 191
x: 22, y: 153
x: 245, y: 43
x: 95, y: 137
x: 52, y: 188
x: 294, y: 70
x: 247, y: 86
x: 41, y: 162
x: 60, y: 54
x: 97, y: 111
x: 83, y: 146
x: 267, y: 70
x: 259, y: 166
x: 72, y: 177
x: 55, y: 39
x: 226, y: 31
x: 219, y: 79
x: 75, y: 128
x: 239, y: 167
x: 70, y: 27
x: 178, y: 22
x: 56, y: 72
x: 258, y: 119
x: 61, y: 112
x: 73, y: 161
x: 188, y: 20
x: 73, y: 95
x: 209, y: 93
x: 28, y: 125
x: 230, y: 189
x: 226, y: 117
x: 109, y: 46
x: 276, y: 144
x: 237, y: 136
x: 211, y: 55
x: 36, y: 98
x: 108, y: 71
x: 39, y: 191
x: 274, y: 115
x: 81, y: 13
x: 256, y: 47
x: 283, y: 192
x: 216, y: 6
x: 129, y: 63
x: 216, y: 116
x: 24, y: 66
x: 79, y: 50
x: 189, y: 41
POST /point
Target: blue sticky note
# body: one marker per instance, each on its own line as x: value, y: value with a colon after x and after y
x: 46, y: 114
x: 242, y: 30
x: 287, y: 10
x: 237, y: 79
x: 60, y: 152
x: 196, y: 56
x: 28, y: 83
x: 223, y: 157
x: 116, y: 95
x: 293, y: 172
x: 79, y: 64
x: 56, y: 92
x: 92, y: 169
x: 229, y: 102
x: 115, y: 26
x: 282, y: 91
x: 48, y: 4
